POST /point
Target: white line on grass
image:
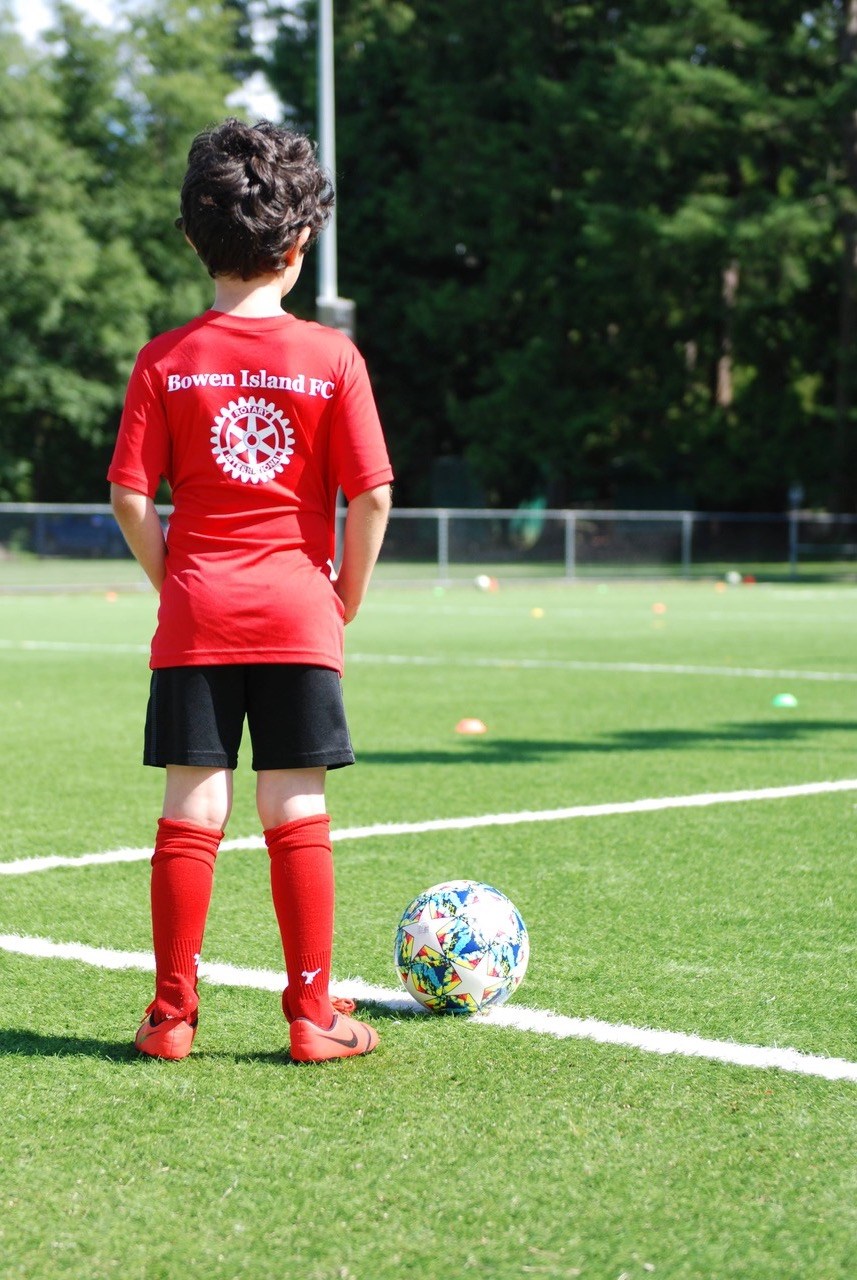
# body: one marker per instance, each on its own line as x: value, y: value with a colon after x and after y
x: 495, y: 664
x: 26, y: 866
x: 630, y: 668
x: 71, y: 646
x: 514, y: 1017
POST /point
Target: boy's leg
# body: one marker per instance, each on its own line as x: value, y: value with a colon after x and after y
x: 291, y: 808
x: 197, y: 802
x: 302, y: 885
x: 298, y: 730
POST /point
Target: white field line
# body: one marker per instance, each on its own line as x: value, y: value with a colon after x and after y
x: 514, y: 1017
x: 71, y: 646
x: 26, y: 866
x: 630, y: 668
x: 495, y: 664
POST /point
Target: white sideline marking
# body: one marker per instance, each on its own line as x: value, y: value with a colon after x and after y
x: 71, y: 646
x: 515, y: 1017
x: 26, y: 866
x: 568, y: 664
x: 499, y: 664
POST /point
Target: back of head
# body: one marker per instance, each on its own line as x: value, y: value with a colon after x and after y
x: 248, y: 193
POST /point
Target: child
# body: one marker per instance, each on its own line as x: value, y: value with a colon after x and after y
x: 255, y: 419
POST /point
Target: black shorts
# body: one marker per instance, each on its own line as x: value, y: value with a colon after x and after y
x: 295, y: 715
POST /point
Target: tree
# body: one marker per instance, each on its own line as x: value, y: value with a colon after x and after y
x: 594, y: 254
x: 844, y: 453
x: 94, y: 138
x: 602, y: 252
x: 59, y: 383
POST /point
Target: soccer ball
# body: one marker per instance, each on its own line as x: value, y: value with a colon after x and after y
x: 461, y: 947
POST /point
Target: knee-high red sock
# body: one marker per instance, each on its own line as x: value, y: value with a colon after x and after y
x: 303, y: 893
x: 182, y: 876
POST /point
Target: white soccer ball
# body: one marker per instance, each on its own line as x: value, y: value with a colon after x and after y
x: 461, y: 947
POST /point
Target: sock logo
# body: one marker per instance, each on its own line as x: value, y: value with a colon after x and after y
x: 309, y: 974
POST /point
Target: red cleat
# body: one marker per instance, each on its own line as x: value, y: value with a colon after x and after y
x: 171, y: 1038
x: 347, y: 1038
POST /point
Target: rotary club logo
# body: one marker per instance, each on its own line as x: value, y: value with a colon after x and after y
x: 251, y: 440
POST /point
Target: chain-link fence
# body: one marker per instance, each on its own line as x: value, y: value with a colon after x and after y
x: 447, y: 544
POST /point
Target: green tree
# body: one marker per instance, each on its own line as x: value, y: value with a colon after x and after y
x: 64, y: 356
x: 729, y: 120
x: 593, y: 245
x: 94, y: 139
x: 182, y: 62
x: 844, y: 453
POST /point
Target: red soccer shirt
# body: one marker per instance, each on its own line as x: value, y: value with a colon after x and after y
x: 255, y: 424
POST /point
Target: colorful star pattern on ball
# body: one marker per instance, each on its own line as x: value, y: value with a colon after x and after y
x: 461, y: 947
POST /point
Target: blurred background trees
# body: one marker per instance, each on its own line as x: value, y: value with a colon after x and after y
x: 601, y: 253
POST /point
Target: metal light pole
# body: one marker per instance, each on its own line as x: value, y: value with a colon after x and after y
x: 330, y: 308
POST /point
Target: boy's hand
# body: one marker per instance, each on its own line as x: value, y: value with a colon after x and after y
x: 351, y: 610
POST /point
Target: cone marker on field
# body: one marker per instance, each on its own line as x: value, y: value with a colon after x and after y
x: 784, y: 700
x: 470, y: 726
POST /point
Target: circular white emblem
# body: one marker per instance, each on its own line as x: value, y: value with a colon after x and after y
x: 251, y: 440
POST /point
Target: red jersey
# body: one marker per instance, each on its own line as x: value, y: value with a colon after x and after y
x: 255, y: 424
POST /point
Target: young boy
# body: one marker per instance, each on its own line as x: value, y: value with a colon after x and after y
x: 255, y: 419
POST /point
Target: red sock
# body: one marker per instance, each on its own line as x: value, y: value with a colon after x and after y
x: 302, y: 889
x: 182, y: 875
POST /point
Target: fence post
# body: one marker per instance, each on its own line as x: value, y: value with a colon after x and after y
x: 686, y: 541
x: 794, y: 531
x: 443, y: 544
x: 570, y: 545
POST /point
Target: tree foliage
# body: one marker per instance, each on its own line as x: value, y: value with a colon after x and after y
x: 596, y: 248
x: 601, y: 252
x: 94, y: 135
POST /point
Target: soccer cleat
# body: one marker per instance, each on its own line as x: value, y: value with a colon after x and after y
x: 347, y: 1038
x: 171, y: 1038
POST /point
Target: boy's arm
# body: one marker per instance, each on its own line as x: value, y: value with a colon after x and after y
x: 141, y: 528
x: 365, y: 523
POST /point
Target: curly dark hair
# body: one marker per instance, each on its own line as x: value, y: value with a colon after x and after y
x: 248, y: 192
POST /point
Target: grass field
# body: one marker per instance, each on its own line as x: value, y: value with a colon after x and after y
x: 463, y: 1146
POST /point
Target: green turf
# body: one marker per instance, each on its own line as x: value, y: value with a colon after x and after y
x: 457, y: 1148
x: 24, y: 573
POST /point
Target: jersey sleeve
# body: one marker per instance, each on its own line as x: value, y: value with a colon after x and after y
x: 358, y: 449
x: 142, y: 451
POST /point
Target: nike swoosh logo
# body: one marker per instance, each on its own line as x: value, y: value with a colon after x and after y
x: 348, y: 1044
x: 149, y: 1028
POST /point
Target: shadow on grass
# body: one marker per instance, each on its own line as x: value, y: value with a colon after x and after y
x: 488, y: 750
x: 19, y: 1042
